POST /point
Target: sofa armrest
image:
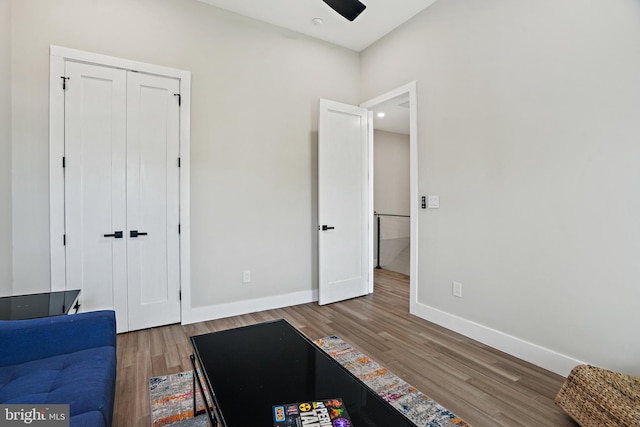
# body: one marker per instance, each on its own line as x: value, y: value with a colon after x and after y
x: 33, y: 339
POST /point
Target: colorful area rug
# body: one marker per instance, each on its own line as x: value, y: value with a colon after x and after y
x: 422, y: 410
x: 171, y: 396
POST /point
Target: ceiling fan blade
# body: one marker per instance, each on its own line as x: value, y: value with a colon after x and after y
x: 350, y: 9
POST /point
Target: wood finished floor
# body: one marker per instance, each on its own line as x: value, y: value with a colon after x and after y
x: 482, y: 385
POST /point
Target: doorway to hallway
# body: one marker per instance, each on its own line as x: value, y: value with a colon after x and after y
x: 392, y: 231
x: 396, y: 180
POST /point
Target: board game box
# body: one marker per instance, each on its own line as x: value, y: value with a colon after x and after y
x: 318, y: 413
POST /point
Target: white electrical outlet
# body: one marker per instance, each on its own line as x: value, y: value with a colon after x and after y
x: 246, y: 276
x: 457, y: 289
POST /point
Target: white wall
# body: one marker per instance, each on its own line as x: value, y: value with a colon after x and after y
x: 529, y: 131
x: 391, y: 166
x: 5, y: 149
x: 391, y: 182
x: 255, y: 90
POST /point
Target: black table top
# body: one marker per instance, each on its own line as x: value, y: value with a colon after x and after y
x: 252, y: 368
x: 46, y: 304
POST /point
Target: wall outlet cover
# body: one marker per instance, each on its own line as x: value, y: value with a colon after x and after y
x: 457, y: 289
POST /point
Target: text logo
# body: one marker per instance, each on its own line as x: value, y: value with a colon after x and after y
x: 34, y: 415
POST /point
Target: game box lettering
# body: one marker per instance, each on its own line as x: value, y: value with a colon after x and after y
x: 317, y: 413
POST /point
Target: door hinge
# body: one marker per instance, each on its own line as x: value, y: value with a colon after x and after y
x: 178, y: 228
x: 64, y: 162
x: 179, y: 98
x: 64, y: 82
x: 180, y: 295
x: 64, y: 240
x: 178, y: 161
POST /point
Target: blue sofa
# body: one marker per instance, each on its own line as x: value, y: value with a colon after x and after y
x: 64, y: 359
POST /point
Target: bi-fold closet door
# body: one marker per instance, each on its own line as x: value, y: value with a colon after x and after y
x: 122, y: 193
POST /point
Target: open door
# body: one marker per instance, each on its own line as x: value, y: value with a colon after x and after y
x: 345, y: 193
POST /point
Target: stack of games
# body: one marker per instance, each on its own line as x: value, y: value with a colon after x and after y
x: 318, y: 413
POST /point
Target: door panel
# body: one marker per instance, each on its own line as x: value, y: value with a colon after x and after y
x: 121, y: 175
x: 153, y: 200
x: 95, y: 205
x: 344, y: 193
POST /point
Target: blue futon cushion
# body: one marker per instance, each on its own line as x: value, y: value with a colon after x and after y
x: 77, y: 378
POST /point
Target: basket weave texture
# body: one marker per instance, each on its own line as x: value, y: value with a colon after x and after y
x: 596, y: 397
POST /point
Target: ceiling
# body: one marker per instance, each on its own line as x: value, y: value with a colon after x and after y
x: 396, y: 115
x: 379, y: 18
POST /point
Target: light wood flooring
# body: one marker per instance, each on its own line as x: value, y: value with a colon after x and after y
x: 482, y: 385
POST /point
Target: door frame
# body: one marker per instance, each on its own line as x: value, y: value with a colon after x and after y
x: 411, y: 90
x: 57, y: 58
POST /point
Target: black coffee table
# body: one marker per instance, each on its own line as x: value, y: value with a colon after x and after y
x: 250, y: 369
x: 45, y: 304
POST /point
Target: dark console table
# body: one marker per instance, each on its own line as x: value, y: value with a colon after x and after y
x: 46, y: 304
x: 250, y: 369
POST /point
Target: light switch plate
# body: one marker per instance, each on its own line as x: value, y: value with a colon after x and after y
x: 434, y: 202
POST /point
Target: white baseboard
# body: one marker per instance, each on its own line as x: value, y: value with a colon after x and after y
x: 220, y: 311
x: 532, y: 353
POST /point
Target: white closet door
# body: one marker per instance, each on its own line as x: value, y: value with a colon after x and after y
x: 95, y: 201
x: 152, y: 200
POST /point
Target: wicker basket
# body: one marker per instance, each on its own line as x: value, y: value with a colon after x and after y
x: 596, y: 397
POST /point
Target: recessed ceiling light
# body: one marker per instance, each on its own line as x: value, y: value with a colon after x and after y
x: 381, y: 114
x: 317, y: 21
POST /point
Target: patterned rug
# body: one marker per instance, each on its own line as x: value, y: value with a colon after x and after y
x: 422, y: 410
x: 171, y: 396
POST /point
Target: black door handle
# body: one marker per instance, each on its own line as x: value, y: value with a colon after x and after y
x: 136, y: 233
x: 326, y: 227
x: 115, y: 235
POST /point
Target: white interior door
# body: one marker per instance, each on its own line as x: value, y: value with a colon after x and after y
x: 122, y: 193
x: 344, y: 202
x: 152, y: 200
x: 95, y: 188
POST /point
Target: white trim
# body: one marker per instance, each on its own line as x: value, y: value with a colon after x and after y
x: 111, y: 61
x: 532, y: 353
x: 220, y: 311
x: 411, y: 89
x: 56, y: 173
x: 370, y: 210
x: 58, y: 56
x: 185, y: 199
